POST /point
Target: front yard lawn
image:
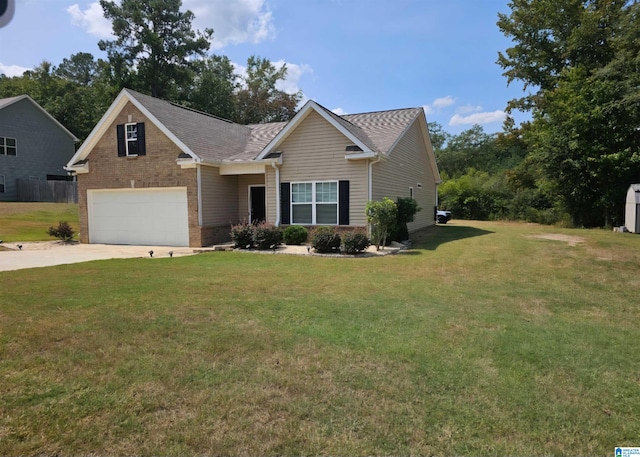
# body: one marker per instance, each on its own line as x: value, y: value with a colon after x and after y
x: 486, y: 339
x: 30, y: 221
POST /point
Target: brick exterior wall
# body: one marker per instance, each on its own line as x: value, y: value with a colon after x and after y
x: 157, y: 168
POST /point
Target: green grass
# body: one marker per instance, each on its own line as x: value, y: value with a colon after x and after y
x: 481, y: 341
x: 30, y: 221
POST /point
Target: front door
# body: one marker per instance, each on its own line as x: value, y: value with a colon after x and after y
x: 257, y: 205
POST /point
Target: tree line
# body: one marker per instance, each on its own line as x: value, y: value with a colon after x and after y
x: 579, y: 61
x: 154, y: 51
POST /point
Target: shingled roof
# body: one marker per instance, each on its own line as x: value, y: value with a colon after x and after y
x: 384, y: 128
x: 5, y: 102
x: 211, y: 139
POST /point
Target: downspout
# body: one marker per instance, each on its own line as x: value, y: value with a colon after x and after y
x: 277, y: 169
x: 199, y: 179
x: 371, y: 163
x: 370, y: 196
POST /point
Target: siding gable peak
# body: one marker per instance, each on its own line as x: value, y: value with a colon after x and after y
x: 348, y: 129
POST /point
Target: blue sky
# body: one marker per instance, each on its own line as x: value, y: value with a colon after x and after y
x: 350, y: 56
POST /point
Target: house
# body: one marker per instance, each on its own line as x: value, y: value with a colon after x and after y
x: 33, y: 145
x: 632, y: 209
x: 153, y: 172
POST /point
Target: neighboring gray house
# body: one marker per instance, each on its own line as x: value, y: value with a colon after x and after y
x: 33, y: 145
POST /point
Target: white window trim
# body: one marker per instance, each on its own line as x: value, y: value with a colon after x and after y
x: 314, y: 203
x: 127, y: 140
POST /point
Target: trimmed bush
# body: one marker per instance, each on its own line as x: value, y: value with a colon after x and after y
x: 267, y: 236
x: 63, y: 231
x: 295, y: 234
x: 325, y: 240
x: 242, y: 235
x: 355, y: 242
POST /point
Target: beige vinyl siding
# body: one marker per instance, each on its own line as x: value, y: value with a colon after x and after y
x: 219, y: 197
x: 315, y: 151
x: 408, y: 165
x: 244, y: 181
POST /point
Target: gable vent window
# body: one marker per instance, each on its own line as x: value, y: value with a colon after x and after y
x: 8, y: 146
x: 131, y: 139
x: 353, y: 148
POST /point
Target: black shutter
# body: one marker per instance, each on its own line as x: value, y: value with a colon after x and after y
x: 122, y: 147
x: 285, y: 200
x: 343, y: 202
x: 142, y: 147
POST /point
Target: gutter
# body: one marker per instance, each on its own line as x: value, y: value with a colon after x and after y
x: 277, y: 169
x: 371, y: 163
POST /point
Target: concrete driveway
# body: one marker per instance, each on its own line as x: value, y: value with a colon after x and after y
x: 48, y: 253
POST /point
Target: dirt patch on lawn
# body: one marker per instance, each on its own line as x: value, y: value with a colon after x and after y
x: 570, y: 240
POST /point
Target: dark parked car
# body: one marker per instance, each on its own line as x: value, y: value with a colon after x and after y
x: 442, y: 217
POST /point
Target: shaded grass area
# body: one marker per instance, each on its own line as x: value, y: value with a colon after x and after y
x: 30, y: 221
x: 483, y: 341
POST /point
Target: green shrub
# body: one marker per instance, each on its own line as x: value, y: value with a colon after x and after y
x: 242, y: 235
x: 355, y: 242
x: 267, y: 236
x: 326, y: 240
x: 406, y: 209
x: 63, y: 231
x: 295, y: 234
x: 382, y: 217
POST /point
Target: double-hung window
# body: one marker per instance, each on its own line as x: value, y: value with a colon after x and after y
x: 8, y: 146
x: 132, y: 139
x: 314, y: 203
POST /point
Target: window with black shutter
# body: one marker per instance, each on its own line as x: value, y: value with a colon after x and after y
x: 131, y: 139
x: 315, y: 203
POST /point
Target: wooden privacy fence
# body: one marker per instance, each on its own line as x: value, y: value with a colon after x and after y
x: 47, y: 191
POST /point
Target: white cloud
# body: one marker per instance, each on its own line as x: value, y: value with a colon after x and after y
x: 91, y: 19
x: 12, y: 70
x: 294, y: 73
x: 478, y: 118
x: 466, y: 109
x: 438, y: 104
x: 338, y: 111
x: 233, y: 22
x: 443, y: 102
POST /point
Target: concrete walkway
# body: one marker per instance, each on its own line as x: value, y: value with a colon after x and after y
x: 49, y: 253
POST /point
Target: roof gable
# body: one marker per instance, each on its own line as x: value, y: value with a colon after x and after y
x: 205, y: 138
x: 201, y: 136
x: 349, y: 130
x: 6, y: 102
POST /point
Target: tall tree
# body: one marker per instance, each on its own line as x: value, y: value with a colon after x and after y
x: 214, y: 87
x: 562, y: 49
x: 80, y: 68
x: 155, y: 42
x: 438, y: 135
x: 259, y: 100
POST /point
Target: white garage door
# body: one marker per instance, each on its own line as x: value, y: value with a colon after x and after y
x: 154, y: 216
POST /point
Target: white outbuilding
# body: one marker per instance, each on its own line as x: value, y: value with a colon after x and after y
x: 632, y: 209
